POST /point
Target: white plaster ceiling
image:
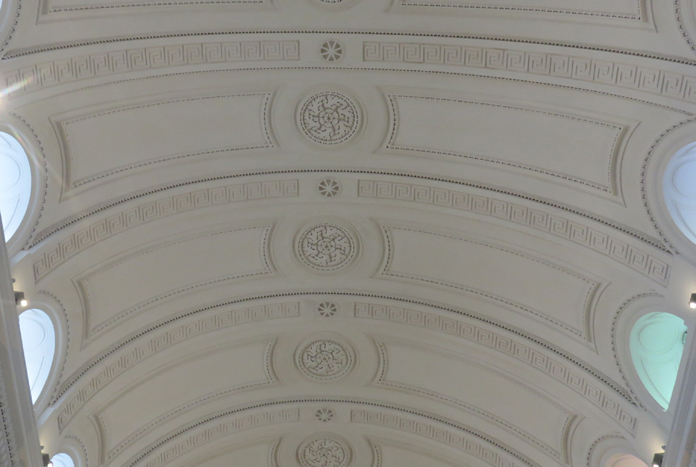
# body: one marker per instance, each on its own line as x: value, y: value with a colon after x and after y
x: 427, y: 248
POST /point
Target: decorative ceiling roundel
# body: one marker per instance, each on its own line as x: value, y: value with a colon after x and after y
x: 326, y: 247
x: 325, y: 359
x: 324, y: 452
x: 329, y: 118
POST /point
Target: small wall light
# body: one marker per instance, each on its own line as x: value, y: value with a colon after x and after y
x: 20, y: 300
x: 657, y: 459
x: 692, y: 301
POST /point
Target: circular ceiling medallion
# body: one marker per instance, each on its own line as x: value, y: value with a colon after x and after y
x: 327, y: 309
x: 325, y: 359
x: 324, y: 415
x: 329, y: 188
x: 324, y: 452
x: 331, y: 50
x: 329, y: 118
x: 326, y: 247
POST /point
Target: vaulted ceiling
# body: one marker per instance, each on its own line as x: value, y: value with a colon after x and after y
x: 333, y: 233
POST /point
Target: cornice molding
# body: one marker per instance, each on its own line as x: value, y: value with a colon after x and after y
x: 140, y: 352
x: 507, y: 346
x: 634, y: 77
x: 333, y: 32
x: 558, y: 226
x: 47, y: 74
x: 158, y: 209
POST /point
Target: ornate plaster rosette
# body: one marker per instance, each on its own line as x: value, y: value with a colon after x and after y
x: 326, y: 247
x: 324, y: 451
x: 325, y: 359
x: 329, y: 118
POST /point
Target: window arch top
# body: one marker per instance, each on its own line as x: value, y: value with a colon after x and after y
x: 657, y: 344
x: 38, y: 342
x: 15, y: 183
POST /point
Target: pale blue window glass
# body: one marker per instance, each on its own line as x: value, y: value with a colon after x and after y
x: 39, y: 343
x: 657, y: 344
x: 62, y: 460
x: 15, y: 184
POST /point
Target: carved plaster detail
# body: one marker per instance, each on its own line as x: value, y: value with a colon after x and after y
x: 324, y: 415
x: 331, y: 50
x: 608, y: 188
x: 156, y: 344
x: 68, y: 70
x: 485, y: 6
x: 558, y: 455
x: 442, y: 435
x: 611, y: 247
x: 326, y: 247
x: 507, y: 346
x: 137, y: 215
x: 327, y: 309
x: 597, y: 442
x: 269, y: 380
x: 591, y: 286
x: 324, y: 452
x: 212, y: 433
x: 329, y: 188
x: 659, y: 82
x: 329, y: 118
x: 325, y: 360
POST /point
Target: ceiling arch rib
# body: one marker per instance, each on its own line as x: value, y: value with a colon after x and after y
x: 412, y: 235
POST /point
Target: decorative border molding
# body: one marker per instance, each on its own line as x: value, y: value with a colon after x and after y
x: 635, y: 17
x: 68, y: 8
x: 597, y: 442
x: 615, y: 348
x: 658, y: 82
x: 444, y: 436
x: 270, y: 380
x: 83, y: 289
x: 218, y: 431
x: 392, y: 98
x: 561, y: 456
x: 138, y: 215
x: 505, y: 345
x: 583, y: 334
x: 69, y: 70
x: 616, y: 50
x: 311, y: 293
x: 70, y: 184
x: 174, y: 336
x: 613, y: 248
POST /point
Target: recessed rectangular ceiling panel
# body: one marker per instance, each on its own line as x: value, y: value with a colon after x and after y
x: 118, y: 290
x: 561, y: 147
x: 104, y: 144
x: 144, y: 406
x: 514, y: 279
x: 480, y: 391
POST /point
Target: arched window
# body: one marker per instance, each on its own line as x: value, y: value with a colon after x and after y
x: 38, y: 342
x: 15, y: 184
x: 657, y: 343
x: 62, y: 460
x: 680, y: 190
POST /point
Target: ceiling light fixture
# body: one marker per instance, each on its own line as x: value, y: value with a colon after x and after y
x: 46, y: 458
x: 692, y: 301
x: 657, y: 459
x: 20, y: 300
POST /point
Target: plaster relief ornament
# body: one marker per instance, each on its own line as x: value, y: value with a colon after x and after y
x: 326, y: 247
x: 324, y: 360
x: 324, y: 415
x: 327, y: 309
x: 324, y: 452
x: 329, y: 188
x: 331, y: 51
x: 329, y: 118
